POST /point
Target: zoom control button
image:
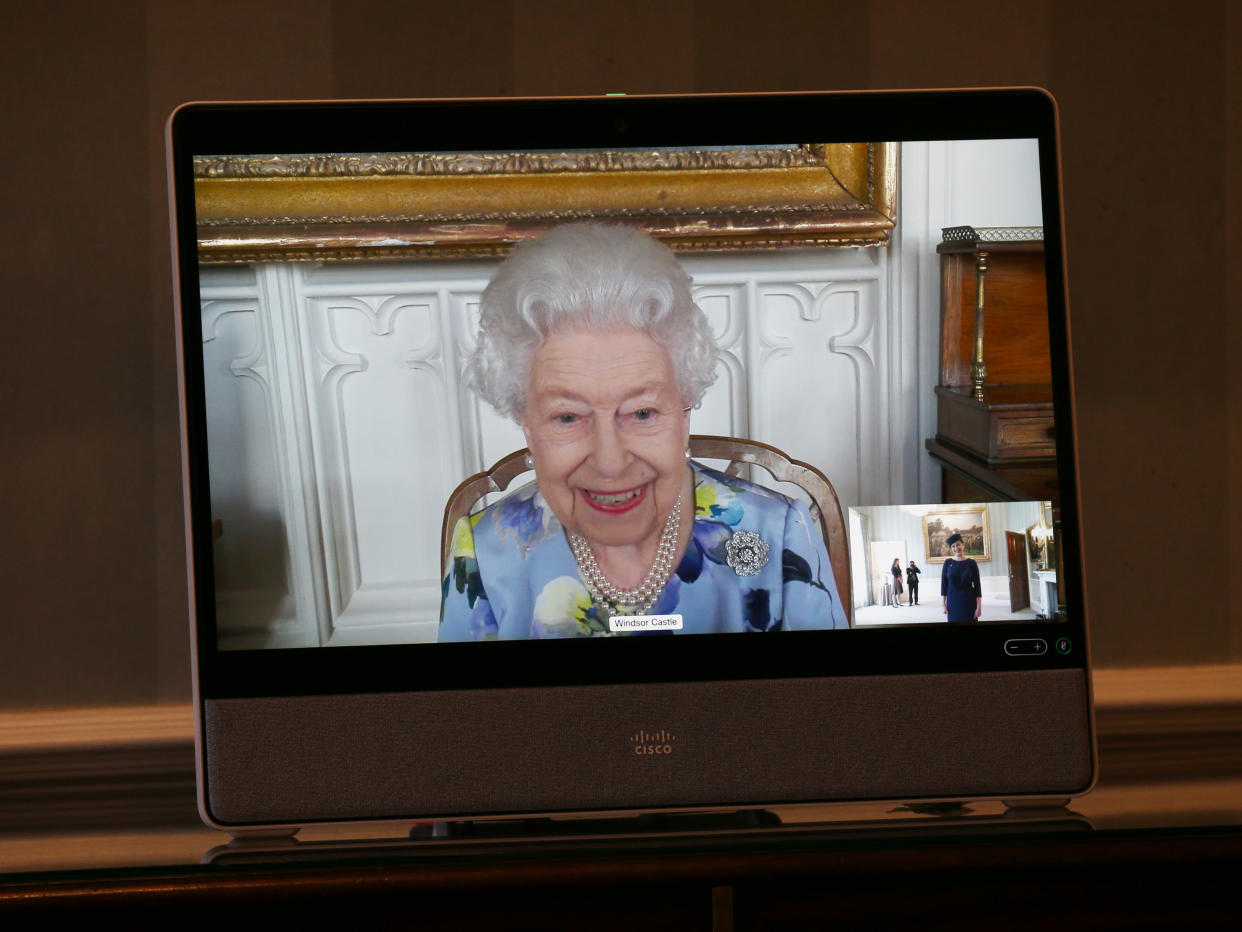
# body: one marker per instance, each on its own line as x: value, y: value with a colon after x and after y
x: 1026, y: 647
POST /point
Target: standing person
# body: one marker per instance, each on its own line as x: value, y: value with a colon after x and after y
x: 959, y: 584
x: 912, y: 582
x: 896, y: 571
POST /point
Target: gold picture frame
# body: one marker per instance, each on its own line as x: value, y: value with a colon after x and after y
x: 969, y: 521
x: 1041, y: 540
x: 1037, y: 538
x: 478, y: 205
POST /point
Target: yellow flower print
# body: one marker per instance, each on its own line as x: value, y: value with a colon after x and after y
x: 704, y: 498
x: 463, y: 537
x: 561, y: 607
x: 715, y: 501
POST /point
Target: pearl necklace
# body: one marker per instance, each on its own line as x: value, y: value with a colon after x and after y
x: 610, y: 598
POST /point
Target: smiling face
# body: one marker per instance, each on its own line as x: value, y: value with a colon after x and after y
x: 958, y: 548
x: 606, y: 428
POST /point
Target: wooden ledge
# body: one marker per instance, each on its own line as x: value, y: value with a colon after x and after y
x: 134, y: 765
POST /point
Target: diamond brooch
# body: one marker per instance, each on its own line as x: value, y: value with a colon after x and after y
x: 746, y: 553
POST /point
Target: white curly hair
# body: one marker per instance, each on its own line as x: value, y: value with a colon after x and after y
x: 586, y: 275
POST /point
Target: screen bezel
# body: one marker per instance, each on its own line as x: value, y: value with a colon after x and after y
x: 466, y: 125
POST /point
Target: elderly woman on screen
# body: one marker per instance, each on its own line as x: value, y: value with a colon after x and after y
x: 589, y: 339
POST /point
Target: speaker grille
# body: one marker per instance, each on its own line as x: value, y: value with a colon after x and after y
x: 457, y: 753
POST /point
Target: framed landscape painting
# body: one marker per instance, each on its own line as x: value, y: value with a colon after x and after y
x: 970, y: 521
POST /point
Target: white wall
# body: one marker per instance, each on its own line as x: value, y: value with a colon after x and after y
x: 988, y: 182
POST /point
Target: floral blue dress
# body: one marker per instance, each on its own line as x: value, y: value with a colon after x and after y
x: 511, y: 573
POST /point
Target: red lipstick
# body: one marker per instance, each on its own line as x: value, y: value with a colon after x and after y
x: 615, y: 508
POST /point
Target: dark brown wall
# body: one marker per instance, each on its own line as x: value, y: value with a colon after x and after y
x: 92, y: 575
x: 1232, y: 416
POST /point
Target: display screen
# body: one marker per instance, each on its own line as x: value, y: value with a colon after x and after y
x: 707, y: 389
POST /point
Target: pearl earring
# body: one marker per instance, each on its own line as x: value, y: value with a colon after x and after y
x: 530, y: 461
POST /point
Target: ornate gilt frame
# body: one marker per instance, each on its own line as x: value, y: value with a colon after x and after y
x: 949, y: 511
x: 438, y: 205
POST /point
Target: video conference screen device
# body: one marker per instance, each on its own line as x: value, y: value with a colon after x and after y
x: 883, y: 274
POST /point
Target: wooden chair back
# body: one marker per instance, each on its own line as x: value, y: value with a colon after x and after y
x: 825, y: 508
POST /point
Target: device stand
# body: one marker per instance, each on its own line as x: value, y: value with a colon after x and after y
x: 646, y: 824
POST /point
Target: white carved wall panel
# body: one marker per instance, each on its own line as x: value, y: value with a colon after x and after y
x: 263, y: 593
x: 815, y: 368
x: 800, y: 338
x: 376, y: 390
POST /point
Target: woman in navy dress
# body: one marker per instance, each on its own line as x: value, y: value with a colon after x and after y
x: 959, y: 584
